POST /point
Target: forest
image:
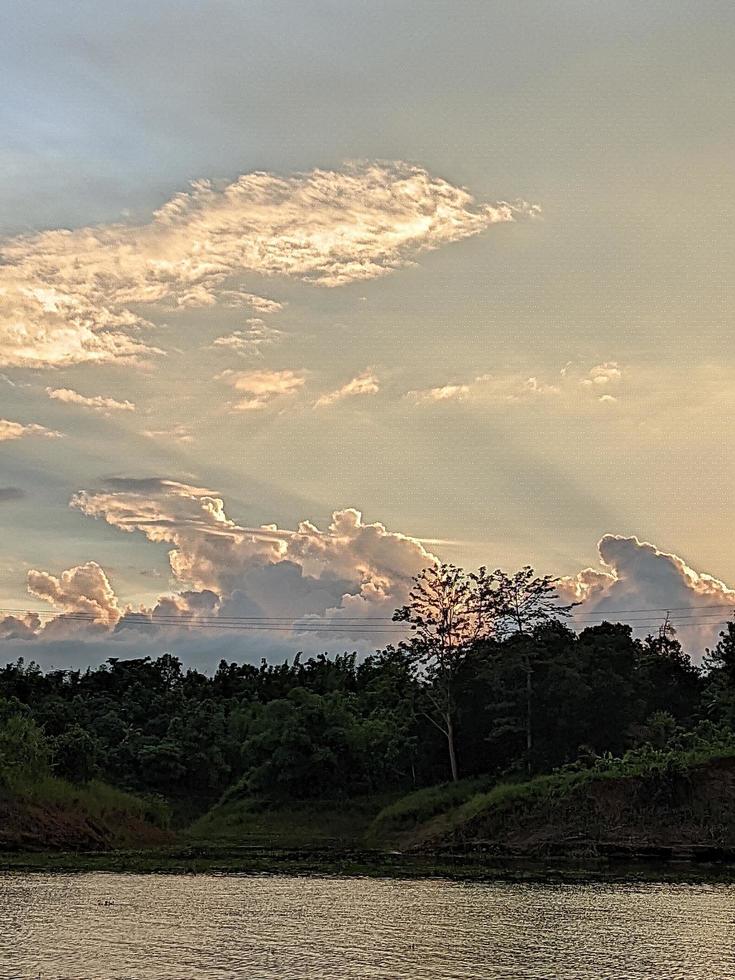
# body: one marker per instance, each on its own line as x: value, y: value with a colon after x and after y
x: 491, y: 682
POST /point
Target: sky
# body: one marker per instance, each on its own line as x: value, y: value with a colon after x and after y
x: 298, y: 298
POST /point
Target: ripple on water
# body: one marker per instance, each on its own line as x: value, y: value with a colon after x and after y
x: 162, y: 927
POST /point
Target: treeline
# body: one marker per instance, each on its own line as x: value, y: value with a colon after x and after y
x: 461, y: 697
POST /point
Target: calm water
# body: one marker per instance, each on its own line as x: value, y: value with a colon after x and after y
x: 89, y: 926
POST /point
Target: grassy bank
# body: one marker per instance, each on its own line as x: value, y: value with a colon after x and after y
x: 53, y: 813
x: 655, y: 800
x: 651, y: 807
x: 339, y: 824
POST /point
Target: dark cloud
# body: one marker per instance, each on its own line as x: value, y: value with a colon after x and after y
x: 8, y: 494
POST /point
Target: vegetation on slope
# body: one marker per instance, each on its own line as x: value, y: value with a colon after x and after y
x: 682, y: 797
x: 38, y: 809
x: 311, y: 750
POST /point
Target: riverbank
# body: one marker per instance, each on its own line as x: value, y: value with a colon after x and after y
x: 656, y: 865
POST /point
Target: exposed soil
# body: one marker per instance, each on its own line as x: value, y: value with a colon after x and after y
x: 688, y: 815
x: 26, y: 826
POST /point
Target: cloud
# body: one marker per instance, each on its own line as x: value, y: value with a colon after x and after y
x: 210, y: 551
x: 250, y: 342
x: 315, y: 588
x: 16, y: 430
x: 8, y: 494
x: 443, y: 393
x: 84, y: 589
x: 73, y: 296
x: 350, y: 570
x: 364, y: 384
x: 635, y: 577
x: 99, y: 403
x: 262, y: 387
x: 568, y: 388
x: 179, y: 433
x: 309, y: 582
x: 603, y: 375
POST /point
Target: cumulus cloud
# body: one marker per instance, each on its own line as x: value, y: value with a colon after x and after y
x: 261, y: 387
x: 10, y: 431
x: 84, y: 589
x: 638, y: 579
x: 99, y: 403
x: 364, y: 384
x: 210, y: 551
x: 73, y: 296
x: 307, y: 579
x: 307, y: 582
x: 603, y: 375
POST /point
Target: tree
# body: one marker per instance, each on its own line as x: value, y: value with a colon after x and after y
x: 518, y: 605
x: 720, y: 667
x: 447, y: 614
x: 76, y: 754
x: 24, y: 751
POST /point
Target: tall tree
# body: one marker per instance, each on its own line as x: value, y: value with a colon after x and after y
x: 447, y: 616
x: 519, y: 604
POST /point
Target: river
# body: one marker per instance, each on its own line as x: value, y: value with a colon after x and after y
x: 164, y: 927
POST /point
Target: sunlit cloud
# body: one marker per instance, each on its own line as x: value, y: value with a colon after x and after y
x: 442, y: 393
x: 10, y: 431
x: 261, y: 388
x: 99, y: 403
x: 250, y: 342
x: 84, y: 589
x: 178, y: 433
x: 566, y: 388
x: 636, y: 580
x: 73, y: 296
x: 364, y: 384
x: 341, y: 577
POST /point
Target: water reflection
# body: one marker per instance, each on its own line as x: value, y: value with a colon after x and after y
x: 147, y: 927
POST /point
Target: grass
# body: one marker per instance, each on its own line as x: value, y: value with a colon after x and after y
x: 95, y: 799
x: 435, y: 815
x: 338, y: 823
x: 417, y: 808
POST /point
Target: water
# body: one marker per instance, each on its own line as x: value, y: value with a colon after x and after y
x: 160, y: 927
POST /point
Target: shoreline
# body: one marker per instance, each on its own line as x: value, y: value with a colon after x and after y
x: 248, y: 861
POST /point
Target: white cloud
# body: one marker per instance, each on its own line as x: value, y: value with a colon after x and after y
x: 84, y: 589
x: 364, y: 384
x: 179, y: 433
x: 99, y: 403
x: 265, y: 570
x: 442, y: 393
x: 342, y: 578
x: 261, y: 387
x: 260, y: 304
x: 635, y: 575
x: 339, y: 579
x: 603, y: 375
x: 250, y: 342
x: 567, y: 388
x: 74, y: 296
x: 10, y: 431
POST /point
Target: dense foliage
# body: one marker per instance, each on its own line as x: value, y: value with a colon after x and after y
x: 337, y: 726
